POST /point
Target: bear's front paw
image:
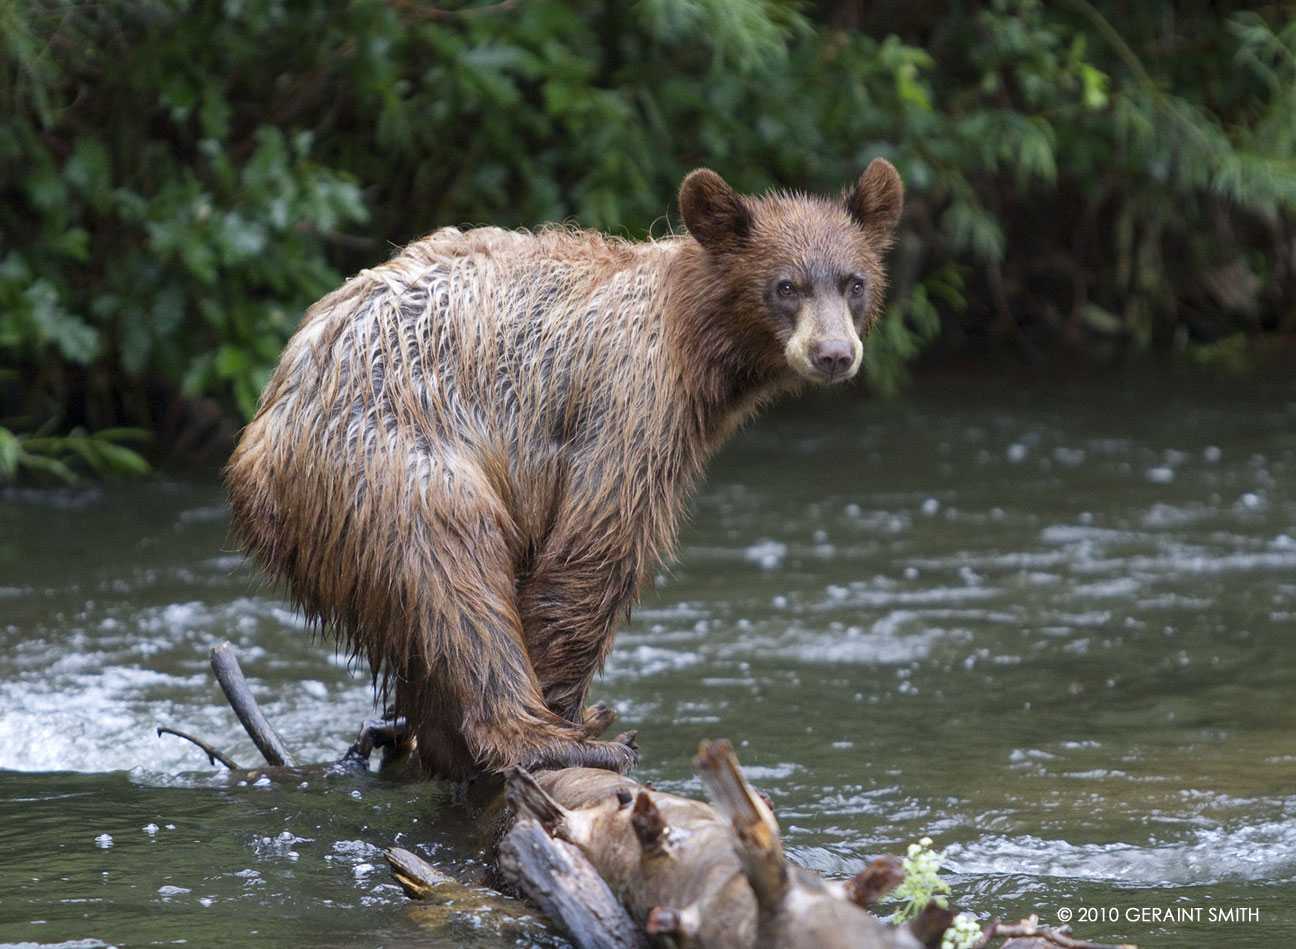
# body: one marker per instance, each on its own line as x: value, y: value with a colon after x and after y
x: 619, y: 755
x: 622, y: 753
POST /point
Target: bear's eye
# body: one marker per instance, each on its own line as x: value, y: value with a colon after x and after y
x: 786, y: 288
x: 857, y: 287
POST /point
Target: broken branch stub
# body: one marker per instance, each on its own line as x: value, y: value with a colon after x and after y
x: 875, y: 881
x: 760, y: 847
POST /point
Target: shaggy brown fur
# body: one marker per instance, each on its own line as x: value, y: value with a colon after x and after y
x: 471, y: 456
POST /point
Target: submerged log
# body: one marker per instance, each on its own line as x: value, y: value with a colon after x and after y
x: 701, y: 876
x: 448, y: 907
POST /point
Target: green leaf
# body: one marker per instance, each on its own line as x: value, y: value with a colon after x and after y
x: 10, y: 454
x: 76, y: 340
x: 88, y: 168
x: 74, y: 243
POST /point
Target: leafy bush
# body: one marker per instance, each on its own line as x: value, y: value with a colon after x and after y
x: 181, y: 178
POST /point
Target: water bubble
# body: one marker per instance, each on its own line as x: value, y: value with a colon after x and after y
x: 104, y: 841
x: 1069, y: 457
x: 768, y: 553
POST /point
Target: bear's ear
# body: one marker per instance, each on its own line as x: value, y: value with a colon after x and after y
x: 876, y: 200
x: 713, y: 212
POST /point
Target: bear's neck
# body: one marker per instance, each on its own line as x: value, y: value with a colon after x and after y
x: 728, y: 366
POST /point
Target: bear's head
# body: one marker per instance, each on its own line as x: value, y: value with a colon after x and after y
x: 803, y: 272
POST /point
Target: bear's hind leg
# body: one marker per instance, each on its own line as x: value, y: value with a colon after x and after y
x: 570, y: 605
x: 463, y: 678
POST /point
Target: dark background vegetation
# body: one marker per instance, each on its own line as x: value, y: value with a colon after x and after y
x: 180, y: 179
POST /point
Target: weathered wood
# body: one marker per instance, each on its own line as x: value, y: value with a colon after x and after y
x: 213, y: 755
x: 706, y: 877
x: 232, y: 681
x: 756, y: 833
x: 556, y: 876
x: 613, y: 862
x: 446, y: 905
x: 418, y: 878
x: 1029, y: 934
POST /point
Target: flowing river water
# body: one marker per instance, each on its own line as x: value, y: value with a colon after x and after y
x: 1047, y: 623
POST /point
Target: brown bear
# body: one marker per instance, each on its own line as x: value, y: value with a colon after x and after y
x: 470, y: 457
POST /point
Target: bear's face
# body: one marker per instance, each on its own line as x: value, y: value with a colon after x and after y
x: 805, y: 273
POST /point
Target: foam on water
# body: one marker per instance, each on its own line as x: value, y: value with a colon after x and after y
x: 90, y: 697
x: 1262, y: 852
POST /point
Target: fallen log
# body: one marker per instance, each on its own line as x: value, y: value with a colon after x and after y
x: 556, y: 877
x: 620, y: 865
x: 697, y: 875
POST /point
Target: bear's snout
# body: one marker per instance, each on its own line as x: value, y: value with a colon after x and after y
x: 833, y: 357
x: 825, y: 347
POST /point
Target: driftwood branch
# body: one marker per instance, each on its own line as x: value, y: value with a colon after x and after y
x: 213, y: 755
x: 232, y: 681
x: 1029, y: 934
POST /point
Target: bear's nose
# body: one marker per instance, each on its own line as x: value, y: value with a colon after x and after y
x: 833, y: 357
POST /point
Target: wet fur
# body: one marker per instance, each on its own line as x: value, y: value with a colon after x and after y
x: 471, y: 456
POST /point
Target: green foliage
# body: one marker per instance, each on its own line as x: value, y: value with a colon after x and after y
x: 65, y: 457
x: 181, y: 178
x: 923, y: 887
x: 964, y: 932
x: 151, y: 232
x: 922, y: 884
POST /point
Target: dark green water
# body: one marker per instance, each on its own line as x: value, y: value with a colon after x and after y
x: 1048, y: 624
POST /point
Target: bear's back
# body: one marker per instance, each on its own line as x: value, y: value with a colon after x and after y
x: 524, y: 354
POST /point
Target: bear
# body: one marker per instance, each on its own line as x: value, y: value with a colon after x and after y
x: 471, y: 456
